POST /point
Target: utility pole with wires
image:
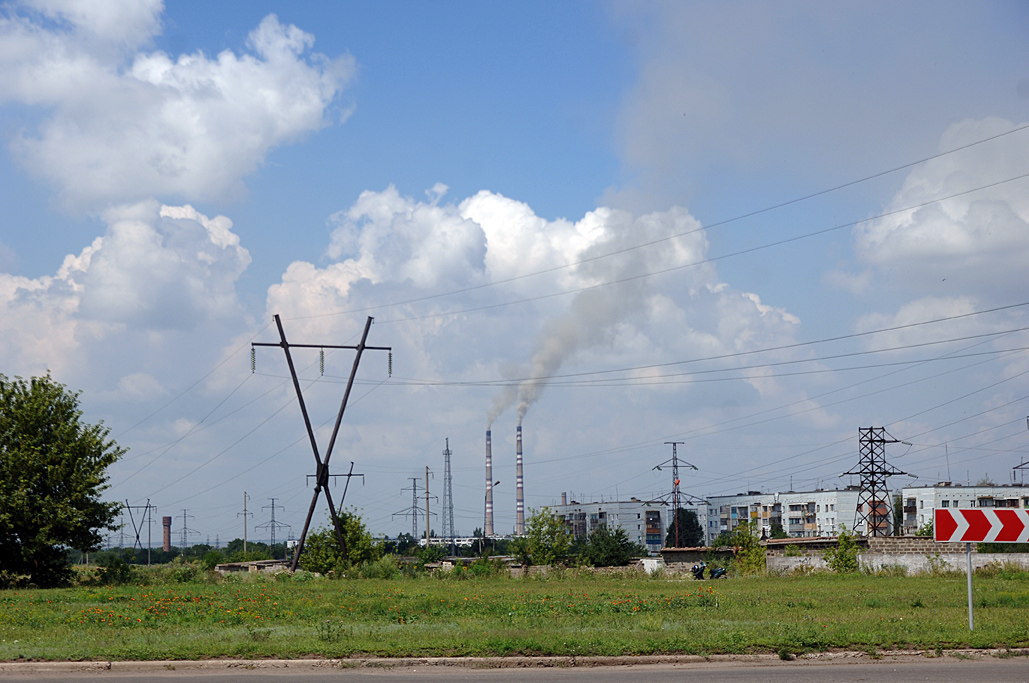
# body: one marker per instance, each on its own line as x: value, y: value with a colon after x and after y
x: 245, y: 514
x: 448, y: 500
x: 676, y: 493
x: 272, y: 525
x: 428, y: 473
x: 349, y: 475
x: 148, y: 519
x: 873, y: 504
x: 1023, y: 466
x: 322, y: 465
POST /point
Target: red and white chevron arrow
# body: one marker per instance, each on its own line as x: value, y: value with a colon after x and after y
x: 994, y: 525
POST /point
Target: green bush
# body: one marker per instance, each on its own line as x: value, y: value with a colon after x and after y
x: 386, y: 567
x: 750, y: 556
x: 322, y: 552
x: 114, y: 571
x: 485, y: 567
x: 546, y: 542
x: 211, y: 559
x: 607, y: 548
x: 843, y: 558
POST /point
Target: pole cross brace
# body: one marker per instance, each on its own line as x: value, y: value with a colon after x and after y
x: 322, y: 465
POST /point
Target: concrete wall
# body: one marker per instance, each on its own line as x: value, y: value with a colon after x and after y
x: 915, y: 563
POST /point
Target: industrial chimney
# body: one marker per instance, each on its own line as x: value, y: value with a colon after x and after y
x: 520, y: 493
x: 487, y: 528
x: 166, y: 522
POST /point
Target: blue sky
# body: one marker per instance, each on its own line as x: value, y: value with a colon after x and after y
x: 174, y: 174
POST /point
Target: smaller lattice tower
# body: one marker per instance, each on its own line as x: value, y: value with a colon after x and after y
x: 448, y: 499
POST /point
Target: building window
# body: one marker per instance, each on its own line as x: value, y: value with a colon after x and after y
x: 946, y: 503
x: 921, y: 504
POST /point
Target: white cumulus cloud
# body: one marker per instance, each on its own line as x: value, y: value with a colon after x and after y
x: 122, y: 124
x: 976, y: 244
x: 155, y: 270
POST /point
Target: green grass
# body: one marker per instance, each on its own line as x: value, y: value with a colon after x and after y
x: 567, y: 615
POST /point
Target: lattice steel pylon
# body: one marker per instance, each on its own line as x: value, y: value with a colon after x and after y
x: 676, y: 494
x: 448, y: 500
x: 874, y: 507
x: 414, y: 510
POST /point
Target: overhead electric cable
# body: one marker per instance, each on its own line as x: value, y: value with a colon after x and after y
x: 716, y: 224
x: 713, y: 259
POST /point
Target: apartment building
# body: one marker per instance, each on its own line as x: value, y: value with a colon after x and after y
x: 802, y: 514
x: 642, y: 521
x: 920, y: 501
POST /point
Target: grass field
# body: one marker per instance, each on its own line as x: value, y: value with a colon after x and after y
x: 568, y: 615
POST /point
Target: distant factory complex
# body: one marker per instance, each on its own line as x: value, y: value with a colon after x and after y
x: 865, y: 510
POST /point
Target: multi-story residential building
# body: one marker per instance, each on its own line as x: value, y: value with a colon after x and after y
x: 920, y: 501
x: 803, y: 514
x: 642, y: 521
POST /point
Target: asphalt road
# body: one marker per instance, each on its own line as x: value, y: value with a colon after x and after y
x: 947, y: 670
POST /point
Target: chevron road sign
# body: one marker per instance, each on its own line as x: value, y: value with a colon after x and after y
x: 992, y: 525
x: 978, y: 525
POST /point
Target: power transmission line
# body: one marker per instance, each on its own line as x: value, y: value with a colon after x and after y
x: 715, y: 224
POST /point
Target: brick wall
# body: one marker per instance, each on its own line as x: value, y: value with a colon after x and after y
x: 901, y: 545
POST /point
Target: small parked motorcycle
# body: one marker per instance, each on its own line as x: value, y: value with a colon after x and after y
x: 718, y: 573
x: 698, y: 570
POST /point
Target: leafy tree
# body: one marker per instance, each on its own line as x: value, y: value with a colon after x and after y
x: 546, y: 541
x: 404, y: 544
x: 926, y: 529
x: 322, y: 553
x: 691, y: 534
x: 750, y: 555
x: 608, y: 548
x: 53, y: 467
x: 778, y: 531
x: 843, y: 558
x: 432, y: 553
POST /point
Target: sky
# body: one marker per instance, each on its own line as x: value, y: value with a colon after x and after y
x: 752, y: 228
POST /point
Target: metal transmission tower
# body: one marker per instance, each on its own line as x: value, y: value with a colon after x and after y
x: 676, y: 493
x: 448, y: 501
x: 414, y: 510
x: 272, y: 525
x: 186, y: 531
x: 873, y: 505
x: 322, y: 466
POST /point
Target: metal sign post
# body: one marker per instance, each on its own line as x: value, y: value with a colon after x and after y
x: 979, y: 526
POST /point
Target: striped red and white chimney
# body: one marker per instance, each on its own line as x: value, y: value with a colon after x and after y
x: 519, y: 492
x: 487, y: 528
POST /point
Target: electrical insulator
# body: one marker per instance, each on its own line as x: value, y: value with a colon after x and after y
x: 390, y: 363
x: 253, y: 360
x: 321, y: 360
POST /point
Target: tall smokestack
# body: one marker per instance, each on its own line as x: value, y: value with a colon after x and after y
x: 487, y: 528
x: 166, y: 546
x: 519, y: 492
